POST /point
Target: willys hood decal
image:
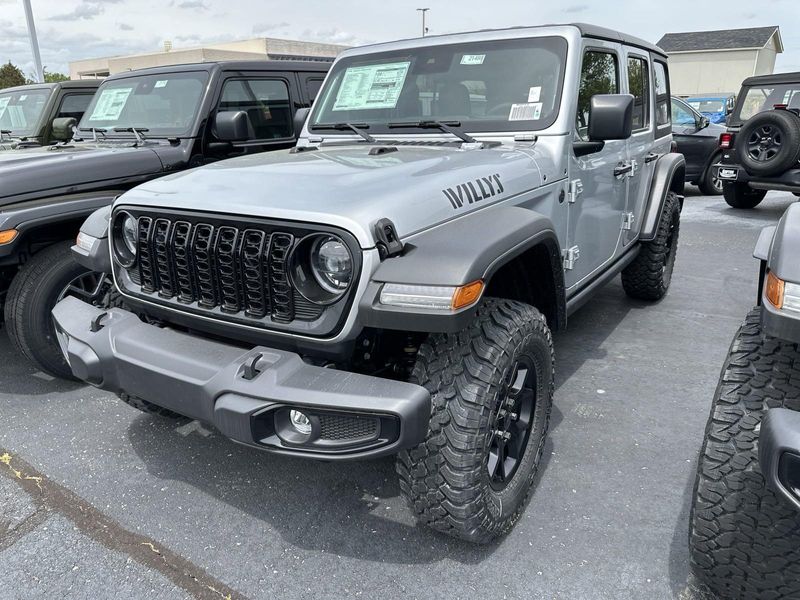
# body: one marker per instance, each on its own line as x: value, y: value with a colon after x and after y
x: 350, y: 186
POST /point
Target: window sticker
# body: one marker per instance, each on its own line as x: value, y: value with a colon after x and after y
x: 110, y: 104
x: 23, y: 97
x: 371, y: 86
x: 3, y: 104
x: 473, y: 59
x: 534, y: 93
x: 525, y: 112
x: 161, y: 83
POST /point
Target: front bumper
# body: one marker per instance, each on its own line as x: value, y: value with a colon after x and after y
x: 779, y: 452
x: 246, y: 393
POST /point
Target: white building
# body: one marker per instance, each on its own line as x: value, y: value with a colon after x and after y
x: 255, y: 49
x: 709, y: 62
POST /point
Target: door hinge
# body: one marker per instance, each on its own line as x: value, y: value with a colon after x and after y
x: 571, y: 255
x: 575, y: 190
x: 627, y: 221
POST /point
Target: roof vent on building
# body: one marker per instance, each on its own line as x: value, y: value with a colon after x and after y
x: 167, y: 45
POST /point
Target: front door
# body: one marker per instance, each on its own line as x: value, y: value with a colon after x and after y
x: 595, y: 214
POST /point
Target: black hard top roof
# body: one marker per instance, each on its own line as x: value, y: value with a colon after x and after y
x: 315, y: 66
x: 772, y: 79
x: 70, y: 84
x: 611, y: 35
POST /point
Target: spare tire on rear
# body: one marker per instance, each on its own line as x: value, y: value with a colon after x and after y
x: 769, y: 143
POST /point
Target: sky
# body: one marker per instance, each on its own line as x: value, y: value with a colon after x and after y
x: 76, y: 29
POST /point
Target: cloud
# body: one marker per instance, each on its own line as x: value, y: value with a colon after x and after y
x: 330, y: 36
x: 125, y: 27
x: 83, y: 11
x: 267, y: 27
x: 193, y: 4
x: 576, y: 8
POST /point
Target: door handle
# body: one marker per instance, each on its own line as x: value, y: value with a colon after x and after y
x: 623, y: 169
x: 651, y: 156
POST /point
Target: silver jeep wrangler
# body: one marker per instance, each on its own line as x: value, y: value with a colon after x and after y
x: 390, y: 285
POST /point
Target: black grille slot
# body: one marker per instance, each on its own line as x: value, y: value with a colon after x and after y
x: 282, y: 297
x: 145, y: 260
x: 254, y: 273
x: 203, y: 252
x: 228, y: 268
x: 340, y: 428
x: 163, y: 257
x: 182, y: 261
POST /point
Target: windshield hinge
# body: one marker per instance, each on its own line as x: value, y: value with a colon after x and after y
x: 627, y: 221
x: 571, y: 256
x: 575, y: 190
x: 387, y: 240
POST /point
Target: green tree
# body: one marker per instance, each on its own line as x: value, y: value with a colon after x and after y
x: 54, y: 77
x: 10, y: 76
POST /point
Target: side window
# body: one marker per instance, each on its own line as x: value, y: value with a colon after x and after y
x: 681, y: 115
x: 74, y: 105
x: 639, y: 86
x: 266, y: 102
x: 662, y: 95
x: 599, y: 75
x: 312, y: 88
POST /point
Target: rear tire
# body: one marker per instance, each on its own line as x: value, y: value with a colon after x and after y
x: 32, y: 295
x: 709, y: 184
x: 453, y: 481
x: 649, y: 275
x: 744, y: 538
x: 741, y: 195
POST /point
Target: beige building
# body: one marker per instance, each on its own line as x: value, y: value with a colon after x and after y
x: 255, y: 49
x: 706, y: 62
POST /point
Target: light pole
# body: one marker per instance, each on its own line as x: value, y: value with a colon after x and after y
x: 423, y: 11
x: 37, y: 59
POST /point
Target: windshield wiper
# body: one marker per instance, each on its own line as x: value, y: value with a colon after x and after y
x: 95, y: 131
x: 136, y: 131
x: 357, y: 127
x: 446, y: 126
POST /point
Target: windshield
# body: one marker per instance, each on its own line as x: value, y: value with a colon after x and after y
x: 20, y: 111
x: 758, y: 99
x: 486, y: 86
x: 165, y: 105
x: 707, y: 106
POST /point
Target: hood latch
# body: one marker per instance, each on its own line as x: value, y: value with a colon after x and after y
x: 387, y: 241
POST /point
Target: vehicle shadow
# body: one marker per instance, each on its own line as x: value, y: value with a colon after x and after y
x: 350, y: 509
x: 22, y: 378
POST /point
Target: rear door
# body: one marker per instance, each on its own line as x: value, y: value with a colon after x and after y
x: 639, y: 83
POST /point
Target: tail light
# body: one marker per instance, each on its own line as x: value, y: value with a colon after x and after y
x: 726, y: 141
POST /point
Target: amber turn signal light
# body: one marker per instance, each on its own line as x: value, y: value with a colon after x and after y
x: 773, y: 290
x: 7, y: 236
x: 467, y: 294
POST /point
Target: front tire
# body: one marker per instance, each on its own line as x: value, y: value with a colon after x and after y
x: 491, y: 391
x: 744, y: 538
x: 709, y: 184
x: 33, y: 293
x: 741, y: 195
x: 649, y: 275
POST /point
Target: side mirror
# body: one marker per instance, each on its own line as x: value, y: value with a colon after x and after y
x: 63, y: 128
x: 610, y: 117
x: 300, y: 118
x: 232, y: 126
x: 704, y: 122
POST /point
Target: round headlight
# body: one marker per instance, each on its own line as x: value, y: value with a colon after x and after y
x: 124, y: 234
x: 331, y: 264
x: 322, y: 268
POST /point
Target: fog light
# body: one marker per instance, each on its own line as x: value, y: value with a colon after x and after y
x: 300, y: 422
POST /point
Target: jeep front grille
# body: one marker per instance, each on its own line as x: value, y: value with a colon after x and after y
x: 241, y: 271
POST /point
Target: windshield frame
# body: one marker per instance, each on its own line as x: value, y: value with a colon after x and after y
x: 35, y: 129
x: 191, y: 131
x: 735, y: 120
x: 558, y: 43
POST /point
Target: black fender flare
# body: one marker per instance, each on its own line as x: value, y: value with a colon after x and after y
x: 28, y: 216
x: 457, y: 253
x: 669, y: 175
x: 97, y: 258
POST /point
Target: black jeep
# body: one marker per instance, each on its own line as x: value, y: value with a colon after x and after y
x: 761, y: 149
x: 139, y: 126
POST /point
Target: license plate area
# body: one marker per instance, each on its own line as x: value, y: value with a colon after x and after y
x: 728, y: 173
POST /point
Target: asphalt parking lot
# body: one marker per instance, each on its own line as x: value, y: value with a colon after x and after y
x: 98, y: 500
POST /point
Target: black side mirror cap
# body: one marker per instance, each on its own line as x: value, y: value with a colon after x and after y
x: 704, y: 122
x: 610, y: 117
x: 64, y: 128
x: 232, y: 126
x: 300, y: 118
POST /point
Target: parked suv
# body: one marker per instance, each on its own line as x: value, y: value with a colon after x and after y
x: 390, y: 285
x: 139, y: 126
x: 27, y: 112
x: 761, y: 150
x: 745, y: 525
x: 698, y: 140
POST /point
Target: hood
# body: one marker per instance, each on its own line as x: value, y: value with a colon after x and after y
x: 36, y: 172
x: 352, y: 186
